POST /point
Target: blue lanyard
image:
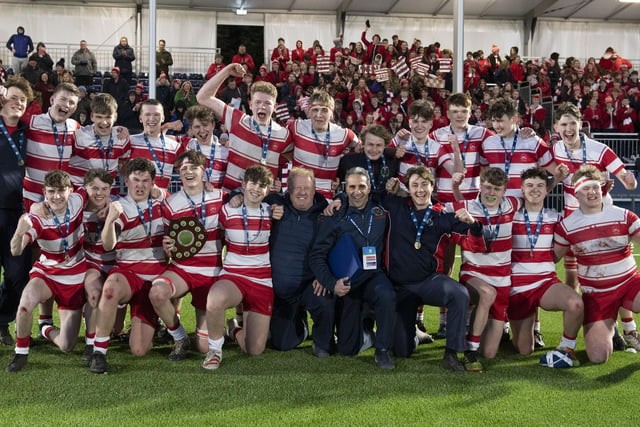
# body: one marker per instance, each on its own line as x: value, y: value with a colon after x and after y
x: 65, y: 234
x: 106, y: 154
x: 463, y: 152
x: 212, y: 154
x: 143, y: 221
x: 415, y: 150
x: 59, y: 145
x: 159, y: 165
x: 368, y: 228
x: 203, y: 211
x: 584, y: 151
x: 496, y: 230
x: 418, y: 244
x: 12, y: 143
x: 265, y: 143
x: 507, y: 156
x: 327, y: 141
x: 245, y: 220
x: 384, y: 172
x: 533, y: 239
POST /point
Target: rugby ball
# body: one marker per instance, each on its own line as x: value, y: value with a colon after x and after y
x: 556, y: 359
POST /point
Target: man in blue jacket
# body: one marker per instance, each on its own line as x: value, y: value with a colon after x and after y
x: 291, y: 240
x: 21, y: 46
x: 366, y: 224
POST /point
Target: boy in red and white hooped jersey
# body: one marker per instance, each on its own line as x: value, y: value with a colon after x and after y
x: 576, y: 149
x: 134, y: 228
x: 197, y: 273
x: 50, y: 140
x: 246, y: 276
x: 60, y: 270
x: 319, y: 144
x: 252, y: 139
x: 510, y: 149
x: 99, y: 145
x: 600, y: 236
x: 487, y: 275
x: 534, y: 282
x: 153, y: 145
x: 204, y: 141
x: 415, y: 148
x: 469, y: 139
x: 98, y: 183
x: 573, y: 151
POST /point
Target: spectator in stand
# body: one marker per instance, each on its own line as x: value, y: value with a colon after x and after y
x: 439, y: 121
x: 281, y: 53
x: 359, y: 55
x: 374, y: 47
x: 124, y: 56
x: 116, y: 86
x: 86, y: 65
x: 128, y: 114
x: 186, y: 94
x: 337, y: 43
x: 297, y: 55
x: 242, y: 57
x: 494, y: 61
x: 609, y: 119
x: 20, y: 46
x: 264, y: 75
x: 163, y: 59
x: 56, y: 76
x: 216, y: 66
x: 612, y: 61
x: 625, y: 117
x: 517, y: 69
x: 31, y: 72
x: 163, y: 93
x: 84, y: 105
x: 45, y: 88
x: 45, y: 63
x: 279, y: 78
x: 535, y: 111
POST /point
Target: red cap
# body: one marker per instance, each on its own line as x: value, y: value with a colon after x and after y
x: 115, y: 70
x: 139, y: 86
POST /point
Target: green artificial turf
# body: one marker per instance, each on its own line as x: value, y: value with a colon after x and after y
x: 295, y: 388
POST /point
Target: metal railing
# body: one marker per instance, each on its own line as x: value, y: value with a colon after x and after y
x: 185, y: 60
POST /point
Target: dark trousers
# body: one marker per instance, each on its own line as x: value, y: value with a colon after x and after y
x: 375, y: 289
x: 289, y: 320
x: 15, y: 268
x: 437, y: 290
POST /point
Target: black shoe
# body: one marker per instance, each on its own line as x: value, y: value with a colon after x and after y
x: 98, y: 363
x: 538, y: 340
x: 442, y: 332
x: 383, y: 360
x: 5, y: 336
x: 17, y: 363
x: 420, y: 325
x: 319, y: 352
x: 451, y: 362
x: 180, y: 350
x: 87, y: 352
x: 618, y: 343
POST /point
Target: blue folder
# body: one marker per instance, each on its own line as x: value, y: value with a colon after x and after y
x: 344, y: 258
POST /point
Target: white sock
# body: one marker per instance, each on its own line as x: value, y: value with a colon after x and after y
x: 216, y: 344
x: 178, y: 333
